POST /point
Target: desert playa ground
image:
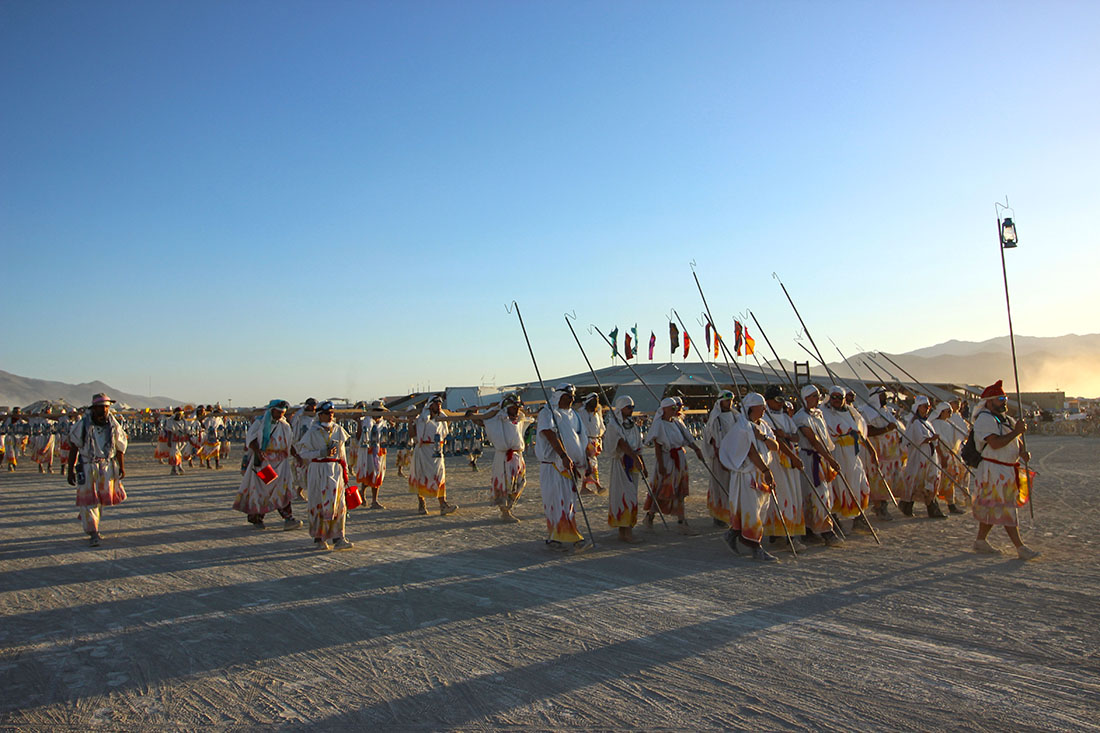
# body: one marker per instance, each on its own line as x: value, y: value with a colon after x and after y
x: 187, y: 618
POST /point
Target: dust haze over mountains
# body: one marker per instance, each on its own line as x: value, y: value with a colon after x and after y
x: 1070, y: 363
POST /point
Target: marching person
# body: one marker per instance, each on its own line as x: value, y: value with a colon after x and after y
x: 669, y: 437
x: 921, y: 473
x: 952, y: 439
x: 63, y: 428
x: 99, y: 444
x: 177, y: 434
x: 848, y: 434
x: 505, y: 427
x: 594, y: 427
x: 212, y: 427
x: 786, y: 470
x: 299, y: 424
x: 14, y: 429
x: 884, y: 433
x: 326, y: 478
x: 962, y: 477
x: 1000, y: 480
x: 42, y: 427
x: 624, y: 436
x: 370, y: 464
x: 816, y: 447
x: 746, y: 452
x: 721, y: 420
x: 267, y: 444
x: 428, y: 477
x: 561, y: 456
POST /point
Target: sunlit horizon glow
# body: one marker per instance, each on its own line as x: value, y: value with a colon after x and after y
x: 232, y: 201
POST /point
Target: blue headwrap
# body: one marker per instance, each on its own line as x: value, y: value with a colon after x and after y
x: 281, y: 404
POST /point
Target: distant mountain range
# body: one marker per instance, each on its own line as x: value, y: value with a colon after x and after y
x: 22, y: 391
x: 1069, y: 363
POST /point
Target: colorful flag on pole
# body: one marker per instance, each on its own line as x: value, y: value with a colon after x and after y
x: 634, y: 330
x: 652, y: 344
x: 737, y: 331
x: 626, y: 347
x: 673, y: 336
x: 1024, y: 477
x: 716, y: 341
x: 706, y: 335
x: 614, y: 336
x: 687, y: 344
x: 750, y: 343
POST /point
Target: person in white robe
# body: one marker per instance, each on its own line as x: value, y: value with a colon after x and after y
x: 746, y: 452
x: 624, y: 439
x: 299, y: 424
x: 97, y: 464
x: 370, y: 463
x: 817, y: 480
x: 670, y: 439
x: 177, y: 434
x: 591, y: 415
x: 323, y: 447
x: 720, y: 421
x: 952, y: 439
x: 267, y: 446
x: 962, y: 475
x: 43, y: 441
x: 1001, y: 483
x: 560, y: 449
x: 785, y: 515
x: 505, y: 427
x: 428, y: 476
x: 884, y: 432
x: 921, y: 469
x: 848, y: 432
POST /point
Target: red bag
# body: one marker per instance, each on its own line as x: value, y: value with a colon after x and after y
x: 352, y: 497
x: 267, y: 474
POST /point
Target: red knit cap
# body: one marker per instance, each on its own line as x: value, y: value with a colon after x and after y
x: 993, y: 390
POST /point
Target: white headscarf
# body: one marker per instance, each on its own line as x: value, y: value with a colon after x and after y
x: 836, y: 389
x: 622, y: 402
x: 751, y: 400
x: 808, y: 391
x: 939, y: 409
x: 918, y: 401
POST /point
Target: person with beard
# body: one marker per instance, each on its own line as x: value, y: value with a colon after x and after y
x: 267, y: 443
x: 370, y: 464
x: 816, y: 446
x: 624, y: 437
x: 428, y: 476
x: 177, y: 433
x: 505, y: 427
x: 921, y: 473
x: 999, y: 480
x: 746, y: 452
x: 847, y: 430
x: 670, y: 437
x: 594, y: 426
x: 561, y: 456
x: 884, y: 433
x: 299, y: 424
x: 720, y: 421
x: 786, y: 470
x: 100, y: 443
x: 323, y: 446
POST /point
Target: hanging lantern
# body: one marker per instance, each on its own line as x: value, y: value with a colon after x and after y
x: 1008, y: 233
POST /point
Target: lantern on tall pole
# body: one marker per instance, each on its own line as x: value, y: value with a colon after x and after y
x: 1007, y: 239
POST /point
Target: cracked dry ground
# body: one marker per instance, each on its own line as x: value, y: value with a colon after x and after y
x: 187, y: 618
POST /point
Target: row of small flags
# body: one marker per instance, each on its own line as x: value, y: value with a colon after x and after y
x: 742, y: 341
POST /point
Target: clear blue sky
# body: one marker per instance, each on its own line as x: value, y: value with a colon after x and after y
x: 254, y: 199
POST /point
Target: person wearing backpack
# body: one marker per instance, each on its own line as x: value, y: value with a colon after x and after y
x: 999, y: 478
